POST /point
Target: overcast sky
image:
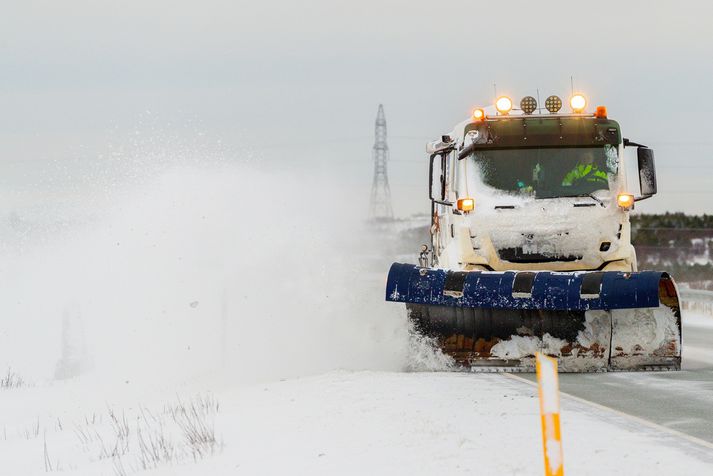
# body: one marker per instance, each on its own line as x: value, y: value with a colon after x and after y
x: 299, y: 82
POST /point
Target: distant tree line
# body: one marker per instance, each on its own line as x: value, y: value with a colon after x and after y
x: 672, y: 220
x: 678, y: 243
x: 670, y: 229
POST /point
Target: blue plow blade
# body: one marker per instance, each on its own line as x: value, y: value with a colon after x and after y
x: 590, y: 290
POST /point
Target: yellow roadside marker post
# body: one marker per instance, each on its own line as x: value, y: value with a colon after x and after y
x: 548, y: 387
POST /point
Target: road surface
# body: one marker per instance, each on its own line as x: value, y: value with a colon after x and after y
x: 681, y: 401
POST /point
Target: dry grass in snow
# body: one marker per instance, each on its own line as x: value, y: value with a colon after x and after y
x: 180, y: 431
x: 122, y: 441
x: 11, y: 380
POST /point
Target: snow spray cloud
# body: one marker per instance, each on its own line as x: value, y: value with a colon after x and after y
x: 202, y: 265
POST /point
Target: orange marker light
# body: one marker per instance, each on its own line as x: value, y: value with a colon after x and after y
x: 601, y: 112
x: 478, y: 114
x: 465, y: 204
x: 625, y: 200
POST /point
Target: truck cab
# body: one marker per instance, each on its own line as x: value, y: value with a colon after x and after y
x: 522, y: 189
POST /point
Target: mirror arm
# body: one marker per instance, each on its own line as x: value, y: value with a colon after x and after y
x: 628, y: 143
x: 466, y: 151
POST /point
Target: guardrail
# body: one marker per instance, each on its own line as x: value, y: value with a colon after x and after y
x: 698, y: 300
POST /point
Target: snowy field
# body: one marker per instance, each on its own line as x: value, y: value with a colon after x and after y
x: 341, y: 422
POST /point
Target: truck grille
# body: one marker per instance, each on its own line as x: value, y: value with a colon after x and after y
x: 517, y: 255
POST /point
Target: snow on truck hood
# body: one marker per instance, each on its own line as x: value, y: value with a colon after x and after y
x: 573, y: 227
x: 547, y: 216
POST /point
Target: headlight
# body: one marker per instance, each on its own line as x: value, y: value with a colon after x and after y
x: 625, y: 200
x: 465, y: 204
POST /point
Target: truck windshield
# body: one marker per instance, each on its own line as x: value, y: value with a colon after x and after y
x: 548, y: 172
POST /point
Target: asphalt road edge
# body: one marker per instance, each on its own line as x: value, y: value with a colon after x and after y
x: 635, y: 419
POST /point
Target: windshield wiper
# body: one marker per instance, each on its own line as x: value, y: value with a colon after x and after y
x: 591, y: 195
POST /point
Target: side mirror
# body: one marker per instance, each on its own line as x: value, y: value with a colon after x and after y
x: 647, y: 172
x: 430, y: 176
x: 441, y: 172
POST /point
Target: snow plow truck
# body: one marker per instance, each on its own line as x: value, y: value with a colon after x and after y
x: 531, y: 245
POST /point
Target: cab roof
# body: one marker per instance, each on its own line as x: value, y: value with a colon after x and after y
x: 550, y: 130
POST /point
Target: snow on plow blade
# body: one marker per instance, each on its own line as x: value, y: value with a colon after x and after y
x: 589, y: 321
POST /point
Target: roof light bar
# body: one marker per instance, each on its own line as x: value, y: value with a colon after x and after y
x: 528, y: 104
x: 578, y: 103
x: 553, y: 104
x: 503, y: 105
